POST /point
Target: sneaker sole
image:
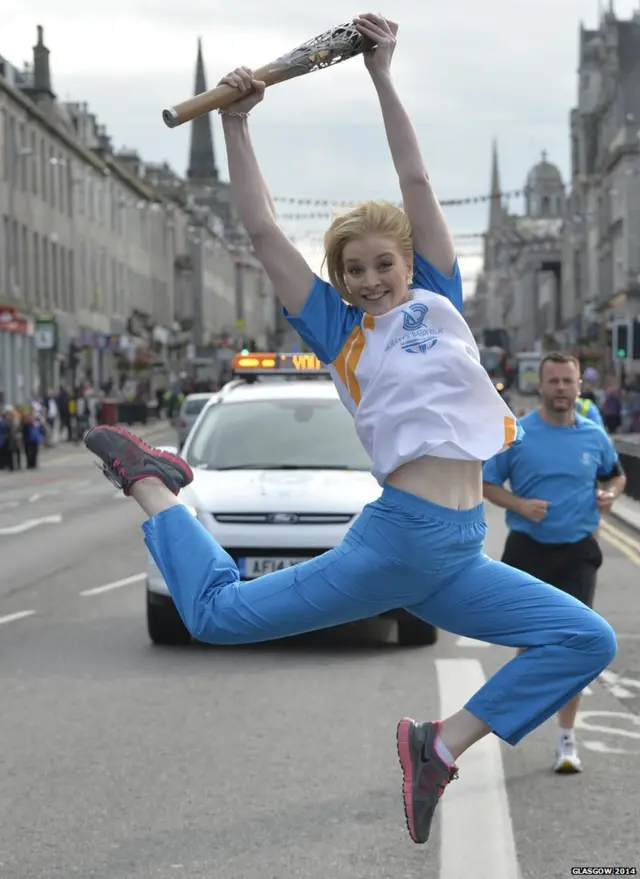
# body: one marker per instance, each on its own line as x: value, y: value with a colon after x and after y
x: 403, y: 741
x: 178, y: 462
x: 567, y: 768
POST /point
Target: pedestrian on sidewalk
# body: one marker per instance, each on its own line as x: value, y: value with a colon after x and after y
x: 407, y: 368
x: 10, y: 452
x: 563, y: 476
x: 32, y: 437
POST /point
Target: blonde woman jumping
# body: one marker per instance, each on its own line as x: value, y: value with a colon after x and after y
x: 390, y: 329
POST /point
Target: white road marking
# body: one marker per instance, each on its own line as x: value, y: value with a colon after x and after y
x: 12, y: 617
x: 471, y: 642
x: 477, y: 833
x: 584, y: 718
x: 40, y: 495
x: 117, y: 584
x: 6, y: 505
x: 32, y: 523
x: 613, y: 682
x: 601, y: 748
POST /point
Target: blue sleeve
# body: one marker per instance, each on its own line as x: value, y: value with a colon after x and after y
x: 325, y: 321
x: 428, y: 277
x: 609, y: 457
x: 497, y: 469
x: 593, y: 413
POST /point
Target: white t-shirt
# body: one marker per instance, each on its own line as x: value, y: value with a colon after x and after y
x: 411, y: 378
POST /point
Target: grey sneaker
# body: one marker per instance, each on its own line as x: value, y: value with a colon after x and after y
x: 425, y: 775
x: 126, y: 459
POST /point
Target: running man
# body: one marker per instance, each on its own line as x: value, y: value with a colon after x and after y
x: 554, y: 505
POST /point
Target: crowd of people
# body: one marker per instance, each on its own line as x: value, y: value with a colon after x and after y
x: 44, y: 421
x: 612, y: 403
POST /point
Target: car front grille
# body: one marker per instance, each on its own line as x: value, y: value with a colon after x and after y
x: 283, y: 518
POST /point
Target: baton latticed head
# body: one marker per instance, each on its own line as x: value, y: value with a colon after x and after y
x: 331, y: 47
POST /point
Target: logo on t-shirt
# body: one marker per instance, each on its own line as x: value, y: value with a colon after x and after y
x: 413, y: 318
x: 420, y: 338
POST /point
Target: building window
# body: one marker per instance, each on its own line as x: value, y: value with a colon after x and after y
x: 63, y: 279
x: 14, y: 259
x: 44, y: 180
x: 37, y: 289
x: 546, y: 206
x: 72, y: 283
x: 7, y: 247
x: 59, y: 173
x: 24, y: 248
x: 11, y: 148
x: 34, y: 162
x: 6, y: 157
x: 55, y: 268
x: 69, y: 186
x: 22, y: 159
x: 51, y: 173
x: 46, y: 276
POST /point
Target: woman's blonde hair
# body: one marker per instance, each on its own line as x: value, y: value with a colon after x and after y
x: 369, y: 218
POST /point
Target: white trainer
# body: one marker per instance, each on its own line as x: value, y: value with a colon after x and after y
x: 567, y: 760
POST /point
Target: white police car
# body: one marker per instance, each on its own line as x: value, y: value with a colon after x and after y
x: 279, y: 476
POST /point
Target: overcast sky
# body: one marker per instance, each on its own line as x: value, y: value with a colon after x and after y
x: 467, y: 71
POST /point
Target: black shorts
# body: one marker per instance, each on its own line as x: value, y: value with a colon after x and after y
x: 571, y: 567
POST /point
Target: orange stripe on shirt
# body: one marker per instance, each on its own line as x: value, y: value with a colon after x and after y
x: 510, y: 431
x: 340, y: 363
x: 347, y: 360
x: 353, y: 359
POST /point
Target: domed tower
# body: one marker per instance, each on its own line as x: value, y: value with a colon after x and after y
x: 544, y: 191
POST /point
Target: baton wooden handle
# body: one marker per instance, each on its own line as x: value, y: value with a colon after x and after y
x: 224, y: 95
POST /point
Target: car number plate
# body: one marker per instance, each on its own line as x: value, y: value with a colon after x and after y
x: 255, y: 566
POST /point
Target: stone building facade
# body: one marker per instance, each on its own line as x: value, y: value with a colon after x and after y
x: 561, y: 275
x: 107, y: 262
x: 519, y: 288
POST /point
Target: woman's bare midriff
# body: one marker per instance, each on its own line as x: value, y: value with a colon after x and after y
x: 443, y: 481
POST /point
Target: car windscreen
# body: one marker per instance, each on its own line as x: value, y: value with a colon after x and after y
x: 277, y: 434
x: 194, y: 407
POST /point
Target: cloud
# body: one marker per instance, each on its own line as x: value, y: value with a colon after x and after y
x: 467, y: 73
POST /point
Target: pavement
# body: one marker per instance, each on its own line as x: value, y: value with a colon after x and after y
x: 120, y: 760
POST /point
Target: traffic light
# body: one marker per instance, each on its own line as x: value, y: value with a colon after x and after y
x: 620, y: 340
x: 635, y: 340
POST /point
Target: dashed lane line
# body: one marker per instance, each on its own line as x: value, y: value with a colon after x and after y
x: 117, y: 584
x: 29, y: 524
x: 13, y: 617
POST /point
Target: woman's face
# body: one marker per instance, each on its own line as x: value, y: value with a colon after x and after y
x: 376, y: 273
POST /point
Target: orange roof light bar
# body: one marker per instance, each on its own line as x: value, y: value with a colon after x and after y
x: 262, y: 361
x: 300, y: 363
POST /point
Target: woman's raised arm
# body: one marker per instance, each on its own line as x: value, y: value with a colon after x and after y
x: 288, y: 271
x: 431, y: 236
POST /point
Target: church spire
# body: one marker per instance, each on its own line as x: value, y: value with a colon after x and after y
x: 202, y: 162
x: 495, y: 211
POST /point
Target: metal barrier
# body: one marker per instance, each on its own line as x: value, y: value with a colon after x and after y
x: 630, y: 459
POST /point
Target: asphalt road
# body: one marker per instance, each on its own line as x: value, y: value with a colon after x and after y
x: 119, y: 760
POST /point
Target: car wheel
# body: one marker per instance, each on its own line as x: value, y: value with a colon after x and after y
x: 164, y: 624
x: 415, y: 633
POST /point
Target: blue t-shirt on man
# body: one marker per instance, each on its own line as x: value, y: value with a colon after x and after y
x: 559, y: 465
